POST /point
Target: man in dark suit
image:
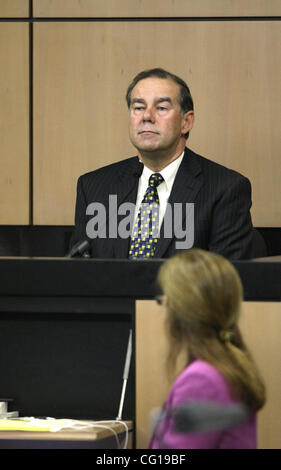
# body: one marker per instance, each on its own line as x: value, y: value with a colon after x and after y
x: 212, y: 202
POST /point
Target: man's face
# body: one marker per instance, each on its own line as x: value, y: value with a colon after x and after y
x: 156, y: 123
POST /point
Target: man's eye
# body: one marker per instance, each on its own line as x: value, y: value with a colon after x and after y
x: 162, y: 108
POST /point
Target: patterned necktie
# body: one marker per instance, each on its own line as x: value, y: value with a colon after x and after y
x: 145, y: 233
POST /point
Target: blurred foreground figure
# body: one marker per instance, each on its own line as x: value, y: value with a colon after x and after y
x: 202, y: 296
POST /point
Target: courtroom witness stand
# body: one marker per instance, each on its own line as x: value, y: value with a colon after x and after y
x: 202, y: 298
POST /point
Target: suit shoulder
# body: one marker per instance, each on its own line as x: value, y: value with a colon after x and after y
x: 110, y: 169
x: 212, y: 168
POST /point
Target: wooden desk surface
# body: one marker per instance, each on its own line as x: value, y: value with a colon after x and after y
x: 92, y: 434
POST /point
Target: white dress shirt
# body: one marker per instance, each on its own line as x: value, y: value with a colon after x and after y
x: 164, y: 189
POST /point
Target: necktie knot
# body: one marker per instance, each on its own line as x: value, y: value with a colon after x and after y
x: 155, y: 179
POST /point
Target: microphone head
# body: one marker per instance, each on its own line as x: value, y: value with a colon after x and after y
x: 79, y: 248
x: 83, y: 246
x: 208, y: 416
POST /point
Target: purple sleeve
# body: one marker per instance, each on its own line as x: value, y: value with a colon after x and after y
x: 190, y: 387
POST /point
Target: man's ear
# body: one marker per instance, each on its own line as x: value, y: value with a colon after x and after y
x: 187, y: 122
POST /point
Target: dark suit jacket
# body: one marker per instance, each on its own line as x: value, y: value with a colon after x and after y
x: 222, y: 198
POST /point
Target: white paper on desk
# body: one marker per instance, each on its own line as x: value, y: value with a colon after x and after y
x: 44, y: 425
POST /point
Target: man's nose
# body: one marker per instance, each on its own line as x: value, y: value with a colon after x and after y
x: 148, y: 114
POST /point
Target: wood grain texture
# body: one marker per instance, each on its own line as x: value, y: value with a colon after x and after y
x: 14, y: 124
x: 14, y: 8
x: 80, y: 118
x: 260, y: 326
x: 155, y: 8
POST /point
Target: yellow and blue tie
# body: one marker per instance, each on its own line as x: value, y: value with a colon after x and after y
x: 145, y: 233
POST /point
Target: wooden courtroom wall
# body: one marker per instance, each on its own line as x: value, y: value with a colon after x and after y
x: 82, y: 65
x: 14, y: 123
x: 14, y: 8
x: 155, y: 8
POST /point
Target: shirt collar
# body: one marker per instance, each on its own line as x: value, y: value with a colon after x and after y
x: 168, y: 173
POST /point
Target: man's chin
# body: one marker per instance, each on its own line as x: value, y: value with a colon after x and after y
x: 147, y: 146
x: 148, y: 152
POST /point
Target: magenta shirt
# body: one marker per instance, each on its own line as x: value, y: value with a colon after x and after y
x: 202, y: 381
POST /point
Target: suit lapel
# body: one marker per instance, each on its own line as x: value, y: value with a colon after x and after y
x: 187, y: 184
x: 126, y: 192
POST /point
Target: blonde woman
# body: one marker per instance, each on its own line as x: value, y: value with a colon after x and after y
x: 202, y: 296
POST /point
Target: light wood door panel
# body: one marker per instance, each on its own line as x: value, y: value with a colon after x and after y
x: 14, y: 124
x: 155, y: 8
x: 14, y: 8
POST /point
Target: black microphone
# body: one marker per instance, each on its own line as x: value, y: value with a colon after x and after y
x: 200, y: 416
x: 82, y: 247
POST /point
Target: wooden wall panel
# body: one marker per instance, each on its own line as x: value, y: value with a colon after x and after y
x: 260, y: 325
x: 14, y: 124
x: 80, y: 118
x: 14, y: 8
x: 155, y: 8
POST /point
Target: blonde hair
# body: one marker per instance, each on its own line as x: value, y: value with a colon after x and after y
x: 204, y: 294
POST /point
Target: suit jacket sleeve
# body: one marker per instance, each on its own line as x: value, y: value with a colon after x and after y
x: 232, y: 230
x: 80, y: 214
